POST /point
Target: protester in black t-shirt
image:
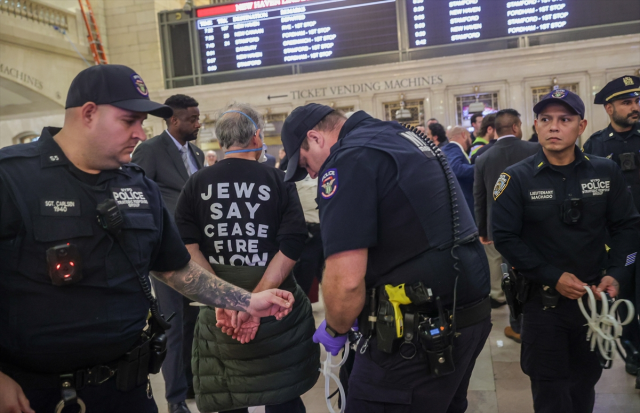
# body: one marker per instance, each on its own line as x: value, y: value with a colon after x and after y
x: 241, y: 220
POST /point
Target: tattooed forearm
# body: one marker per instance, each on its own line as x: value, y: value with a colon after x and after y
x: 198, y: 284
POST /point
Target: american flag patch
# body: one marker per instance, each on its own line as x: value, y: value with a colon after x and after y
x: 631, y: 258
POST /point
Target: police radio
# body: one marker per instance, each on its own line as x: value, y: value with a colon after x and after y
x: 435, y: 336
x: 65, y: 264
x: 110, y: 217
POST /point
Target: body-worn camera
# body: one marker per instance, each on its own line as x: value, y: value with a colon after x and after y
x: 629, y: 161
x: 65, y: 264
x: 572, y: 211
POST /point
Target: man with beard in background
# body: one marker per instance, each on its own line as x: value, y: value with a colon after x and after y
x: 620, y: 142
x: 170, y: 159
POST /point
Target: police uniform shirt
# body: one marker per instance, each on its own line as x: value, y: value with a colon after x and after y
x: 241, y: 212
x: 608, y: 143
x: 47, y: 328
x: 364, y: 202
x: 528, y: 226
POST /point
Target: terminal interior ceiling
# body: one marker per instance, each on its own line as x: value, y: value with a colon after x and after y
x: 39, y: 60
x: 43, y: 45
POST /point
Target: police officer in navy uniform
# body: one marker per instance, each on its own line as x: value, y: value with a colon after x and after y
x: 387, y: 221
x: 80, y: 230
x: 550, y: 219
x: 620, y: 142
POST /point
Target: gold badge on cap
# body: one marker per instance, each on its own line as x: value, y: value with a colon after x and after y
x: 627, y: 81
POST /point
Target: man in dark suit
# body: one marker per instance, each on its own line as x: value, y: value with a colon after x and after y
x: 169, y: 159
x: 508, y: 150
x: 456, y: 152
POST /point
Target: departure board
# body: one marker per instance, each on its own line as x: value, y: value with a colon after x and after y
x: 438, y: 22
x: 275, y: 32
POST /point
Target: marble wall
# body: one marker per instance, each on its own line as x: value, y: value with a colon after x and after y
x: 131, y: 33
x: 511, y: 73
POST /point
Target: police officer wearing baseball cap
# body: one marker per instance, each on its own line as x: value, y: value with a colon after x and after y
x: 80, y: 230
x: 401, y: 248
x: 620, y: 142
x: 551, y: 215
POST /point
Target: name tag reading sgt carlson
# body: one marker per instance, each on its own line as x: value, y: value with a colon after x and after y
x: 130, y: 198
x: 595, y: 187
x: 59, y: 207
x: 542, y: 195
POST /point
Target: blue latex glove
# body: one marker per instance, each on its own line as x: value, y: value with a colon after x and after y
x: 333, y: 345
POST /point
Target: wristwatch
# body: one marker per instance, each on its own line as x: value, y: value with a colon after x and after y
x: 333, y: 333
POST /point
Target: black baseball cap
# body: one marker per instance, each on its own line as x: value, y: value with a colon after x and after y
x: 115, y: 85
x: 566, y: 97
x: 294, y: 132
x: 621, y: 88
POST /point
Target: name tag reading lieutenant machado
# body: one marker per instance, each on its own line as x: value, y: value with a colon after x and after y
x: 74, y: 289
x: 391, y: 235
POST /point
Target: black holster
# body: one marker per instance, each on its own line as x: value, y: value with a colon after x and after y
x: 144, y: 359
x: 133, y: 367
x: 516, y: 290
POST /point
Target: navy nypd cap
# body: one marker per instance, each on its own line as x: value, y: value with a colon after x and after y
x: 563, y: 96
x: 621, y: 88
x: 115, y: 85
x: 294, y: 132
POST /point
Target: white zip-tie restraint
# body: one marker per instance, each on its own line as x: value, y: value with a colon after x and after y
x: 328, y: 376
x: 604, y: 328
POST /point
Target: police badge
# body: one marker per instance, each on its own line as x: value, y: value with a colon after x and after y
x: 501, y: 184
x: 559, y: 94
x: 627, y: 81
x: 139, y: 84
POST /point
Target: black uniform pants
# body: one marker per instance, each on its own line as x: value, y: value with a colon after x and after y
x: 292, y: 406
x: 557, y: 358
x: 387, y: 383
x: 311, y: 261
x: 630, y: 290
x: 176, y: 368
x: 104, y: 398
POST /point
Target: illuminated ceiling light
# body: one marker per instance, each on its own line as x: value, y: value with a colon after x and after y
x: 476, y: 107
x: 269, y: 127
x: 403, y: 113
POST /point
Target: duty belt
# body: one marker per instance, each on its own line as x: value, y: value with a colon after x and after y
x: 393, y: 312
x: 78, y: 379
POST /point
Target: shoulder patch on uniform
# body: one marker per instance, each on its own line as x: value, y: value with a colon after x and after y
x: 329, y: 183
x: 501, y: 184
x: 416, y: 140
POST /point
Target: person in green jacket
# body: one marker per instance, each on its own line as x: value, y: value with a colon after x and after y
x: 239, y: 219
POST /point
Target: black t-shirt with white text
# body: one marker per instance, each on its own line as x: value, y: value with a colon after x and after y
x: 241, y: 212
